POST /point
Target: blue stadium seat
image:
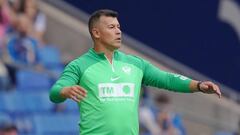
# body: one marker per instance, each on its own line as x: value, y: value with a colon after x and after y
x: 31, y: 102
x: 49, y: 56
x: 56, y: 124
x: 2, y: 102
x: 37, y: 102
x: 31, y: 80
x: 24, y: 124
x: 4, y: 117
x: 71, y: 106
x: 13, y: 102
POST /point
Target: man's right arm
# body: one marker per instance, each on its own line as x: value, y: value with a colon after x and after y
x: 67, y: 85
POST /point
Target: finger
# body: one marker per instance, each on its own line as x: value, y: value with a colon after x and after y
x: 210, y: 85
x: 76, y: 95
x: 215, y: 89
x: 82, y: 90
x: 219, y: 92
x: 204, y: 86
x: 80, y: 97
x: 77, y: 90
x: 74, y: 98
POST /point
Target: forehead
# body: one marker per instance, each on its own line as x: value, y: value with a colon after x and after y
x: 107, y: 20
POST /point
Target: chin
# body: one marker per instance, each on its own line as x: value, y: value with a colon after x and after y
x: 116, y: 46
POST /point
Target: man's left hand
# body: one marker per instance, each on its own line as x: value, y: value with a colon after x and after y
x: 209, y: 88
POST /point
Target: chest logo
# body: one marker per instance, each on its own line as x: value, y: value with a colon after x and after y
x: 114, y: 78
x: 126, y: 69
x: 116, y: 90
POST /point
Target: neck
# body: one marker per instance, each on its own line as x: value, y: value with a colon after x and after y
x: 107, y: 51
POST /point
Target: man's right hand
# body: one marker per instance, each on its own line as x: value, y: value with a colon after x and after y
x: 75, y: 93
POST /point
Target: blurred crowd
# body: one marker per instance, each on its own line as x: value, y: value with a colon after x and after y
x: 157, y: 117
x: 27, y: 63
x: 22, y: 29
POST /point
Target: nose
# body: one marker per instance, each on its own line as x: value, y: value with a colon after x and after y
x: 118, y: 31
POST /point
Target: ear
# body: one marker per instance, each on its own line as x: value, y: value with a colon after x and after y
x: 95, y: 33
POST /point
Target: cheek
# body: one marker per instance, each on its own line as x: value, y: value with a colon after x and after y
x: 107, y: 35
x: 107, y: 32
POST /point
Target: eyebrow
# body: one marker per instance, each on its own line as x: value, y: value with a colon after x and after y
x: 113, y: 24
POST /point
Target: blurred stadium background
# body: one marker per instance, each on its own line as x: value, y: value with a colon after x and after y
x: 199, y: 39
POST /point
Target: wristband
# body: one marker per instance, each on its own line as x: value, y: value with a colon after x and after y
x: 198, y: 85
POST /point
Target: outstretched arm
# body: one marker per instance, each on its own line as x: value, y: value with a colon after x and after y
x: 156, y: 77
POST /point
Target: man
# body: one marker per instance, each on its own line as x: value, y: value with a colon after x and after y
x: 108, y: 82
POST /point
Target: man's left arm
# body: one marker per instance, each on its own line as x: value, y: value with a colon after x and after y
x: 155, y: 77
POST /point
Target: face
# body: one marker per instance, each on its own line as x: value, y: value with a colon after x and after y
x: 31, y: 12
x: 16, y: 5
x: 31, y: 8
x: 107, y: 32
x: 23, y: 25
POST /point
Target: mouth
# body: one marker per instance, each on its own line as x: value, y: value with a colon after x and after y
x: 118, y: 39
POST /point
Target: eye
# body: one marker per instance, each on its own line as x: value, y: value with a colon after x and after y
x: 111, y: 26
